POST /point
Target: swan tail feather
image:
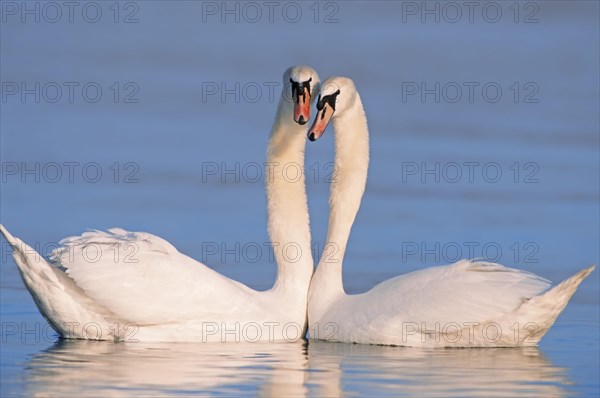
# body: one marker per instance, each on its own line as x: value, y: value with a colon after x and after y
x: 545, y: 308
x: 31, y: 264
x: 59, y: 299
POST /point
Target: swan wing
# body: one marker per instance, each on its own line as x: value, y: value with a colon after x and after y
x: 460, y: 293
x: 142, y: 278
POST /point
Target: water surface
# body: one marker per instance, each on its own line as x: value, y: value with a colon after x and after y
x: 541, y: 215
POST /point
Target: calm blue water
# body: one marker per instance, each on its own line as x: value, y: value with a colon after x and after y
x: 484, y: 143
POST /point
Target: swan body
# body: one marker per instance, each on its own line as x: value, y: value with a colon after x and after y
x: 465, y: 304
x: 93, y: 289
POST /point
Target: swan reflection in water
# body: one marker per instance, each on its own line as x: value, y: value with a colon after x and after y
x: 95, y: 368
x: 405, y: 371
x: 88, y: 368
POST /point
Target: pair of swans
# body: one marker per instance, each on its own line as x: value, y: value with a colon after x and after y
x: 164, y: 295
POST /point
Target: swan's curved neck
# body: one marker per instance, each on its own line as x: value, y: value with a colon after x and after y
x: 288, y: 219
x: 347, y: 188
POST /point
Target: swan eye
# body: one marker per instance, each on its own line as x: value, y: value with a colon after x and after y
x: 294, y: 88
x: 330, y: 99
x: 306, y: 84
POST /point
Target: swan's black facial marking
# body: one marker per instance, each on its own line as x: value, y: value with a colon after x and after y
x: 326, y: 109
x: 301, y: 97
x: 330, y: 99
x: 298, y: 89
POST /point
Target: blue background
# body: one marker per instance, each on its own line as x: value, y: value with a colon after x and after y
x: 165, y: 130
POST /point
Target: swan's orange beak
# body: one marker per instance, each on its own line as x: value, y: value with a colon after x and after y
x: 320, y: 123
x: 302, y: 106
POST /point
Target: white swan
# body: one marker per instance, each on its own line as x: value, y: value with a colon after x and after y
x: 160, y: 294
x: 466, y: 304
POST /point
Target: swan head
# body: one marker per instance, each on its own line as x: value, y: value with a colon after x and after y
x: 302, y: 84
x: 337, y: 95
